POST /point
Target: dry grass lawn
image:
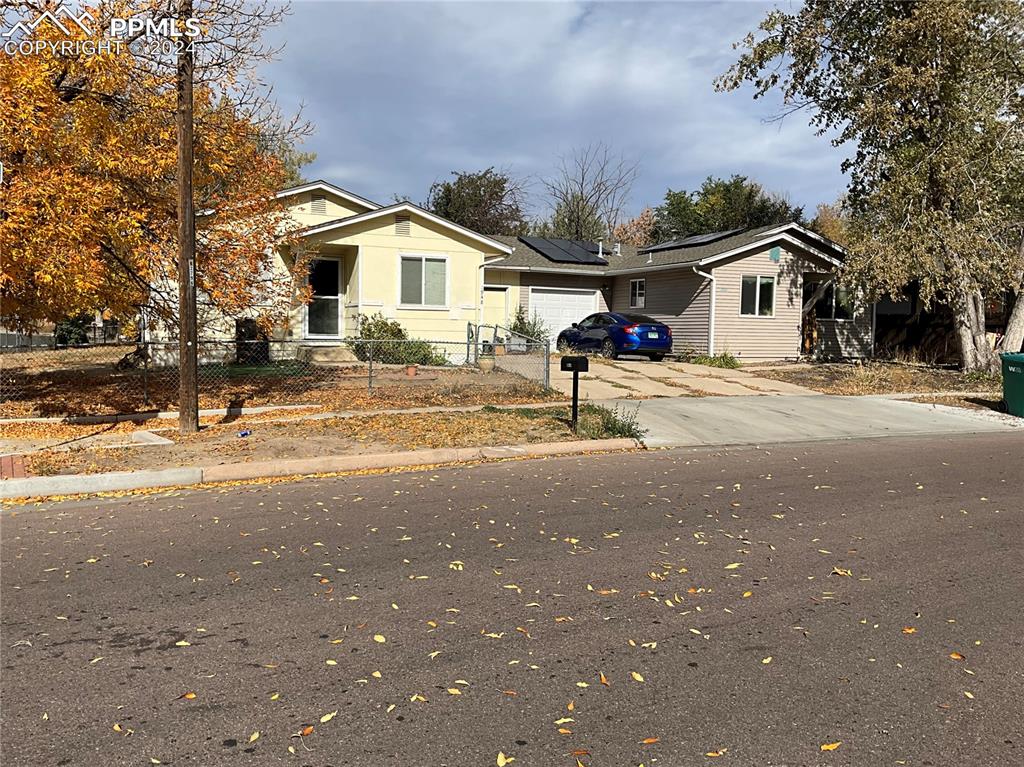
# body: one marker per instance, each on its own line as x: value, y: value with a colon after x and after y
x: 219, y: 443
x: 880, y: 378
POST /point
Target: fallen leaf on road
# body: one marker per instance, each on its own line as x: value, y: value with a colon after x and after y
x: 649, y: 741
x: 187, y: 696
x: 182, y: 643
x: 733, y: 565
x: 909, y: 630
x: 379, y: 638
x: 767, y: 660
x: 956, y: 656
x: 502, y: 760
x: 254, y: 737
x: 716, y: 752
x: 841, y: 571
x: 830, y: 746
x: 328, y: 717
x: 636, y: 676
x: 603, y: 679
x: 969, y: 694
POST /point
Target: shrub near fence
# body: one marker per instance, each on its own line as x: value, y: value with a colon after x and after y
x: 351, y: 373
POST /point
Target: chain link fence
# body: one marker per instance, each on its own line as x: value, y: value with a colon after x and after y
x: 127, y: 378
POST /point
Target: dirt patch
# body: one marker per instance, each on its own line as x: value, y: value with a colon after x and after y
x: 102, y: 390
x: 266, y: 441
x: 880, y: 378
x: 994, y: 403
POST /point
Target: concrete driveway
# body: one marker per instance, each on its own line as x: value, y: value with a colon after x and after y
x: 643, y: 378
x: 758, y: 420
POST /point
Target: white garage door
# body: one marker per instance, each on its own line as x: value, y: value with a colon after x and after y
x: 559, y: 307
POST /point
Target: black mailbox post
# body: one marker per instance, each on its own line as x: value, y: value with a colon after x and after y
x: 577, y: 365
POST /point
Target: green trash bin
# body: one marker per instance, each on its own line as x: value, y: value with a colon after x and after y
x: 1013, y: 383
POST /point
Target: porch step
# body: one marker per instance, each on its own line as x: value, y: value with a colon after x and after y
x: 325, y: 355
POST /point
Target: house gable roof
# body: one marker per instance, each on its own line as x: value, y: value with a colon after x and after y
x: 730, y: 244
x: 323, y: 186
x: 523, y: 258
x: 632, y: 260
x: 405, y: 207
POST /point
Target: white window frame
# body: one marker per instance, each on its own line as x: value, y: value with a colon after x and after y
x: 835, y: 298
x: 640, y: 302
x: 340, y: 298
x: 757, y: 295
x: 423, y: 276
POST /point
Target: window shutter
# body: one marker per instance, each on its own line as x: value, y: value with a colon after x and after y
x: 402, y: 224
x: 319, y: 205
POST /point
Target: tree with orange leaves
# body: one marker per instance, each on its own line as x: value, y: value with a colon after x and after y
x: 88, y: 217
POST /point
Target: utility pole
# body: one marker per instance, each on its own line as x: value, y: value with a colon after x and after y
x: 188, y: 389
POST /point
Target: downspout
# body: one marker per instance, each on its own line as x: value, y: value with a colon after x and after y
x: 711, y: 321
x: 480, y: 293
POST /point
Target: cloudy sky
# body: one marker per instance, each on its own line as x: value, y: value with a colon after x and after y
x: 403, y: 93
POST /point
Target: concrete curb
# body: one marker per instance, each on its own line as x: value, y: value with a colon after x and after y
x: 72, y: 484
x: 233, y: 472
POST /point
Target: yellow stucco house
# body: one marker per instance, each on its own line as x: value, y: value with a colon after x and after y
x: 749, y: 292
x: 399, y: 260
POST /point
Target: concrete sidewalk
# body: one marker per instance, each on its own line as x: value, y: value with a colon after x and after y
x: 755, y: 420
x: 644, y: 379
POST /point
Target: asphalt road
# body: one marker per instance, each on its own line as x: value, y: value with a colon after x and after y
x: 579, y: 607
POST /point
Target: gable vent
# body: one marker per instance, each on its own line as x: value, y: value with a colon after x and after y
x: 319, y: 204
x: 402, y: 224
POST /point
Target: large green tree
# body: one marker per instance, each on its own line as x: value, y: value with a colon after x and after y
x: 929, y: 94
x: 721, y: 204
x: 488, y: 201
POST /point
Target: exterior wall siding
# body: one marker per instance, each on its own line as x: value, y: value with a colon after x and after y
x: 300, y: 209
x: 760, y: 338
x: 678, y: 298
x: 846, y: 338
x: 378, y: 288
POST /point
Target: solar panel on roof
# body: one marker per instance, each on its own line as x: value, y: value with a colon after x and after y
x: 564, y: 251
x: 662, y: 246
x: 700, y: 239
x: 696, y: 239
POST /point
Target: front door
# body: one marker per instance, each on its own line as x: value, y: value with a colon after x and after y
x: 323, y: 313
x: 496, y: 306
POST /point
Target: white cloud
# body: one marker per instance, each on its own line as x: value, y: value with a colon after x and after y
x: 404, y: 93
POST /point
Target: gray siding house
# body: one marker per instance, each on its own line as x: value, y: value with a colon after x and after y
x: 759, y: 294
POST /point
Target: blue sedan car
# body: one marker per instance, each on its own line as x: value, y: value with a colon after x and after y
x: 613, y: 333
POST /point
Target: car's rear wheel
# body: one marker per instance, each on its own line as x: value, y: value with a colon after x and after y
x: 656, y: 357
x: 608, y: 349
